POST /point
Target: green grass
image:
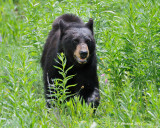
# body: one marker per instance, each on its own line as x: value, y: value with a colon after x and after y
x: 128, y: 49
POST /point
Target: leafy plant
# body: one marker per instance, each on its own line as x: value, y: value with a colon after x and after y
x: 60, y: 87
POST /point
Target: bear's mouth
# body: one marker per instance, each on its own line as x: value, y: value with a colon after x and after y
x: 80, y: 60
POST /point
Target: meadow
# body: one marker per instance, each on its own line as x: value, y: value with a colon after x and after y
x: 127, y: 34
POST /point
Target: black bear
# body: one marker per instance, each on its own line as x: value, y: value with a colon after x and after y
x: 75, y: 39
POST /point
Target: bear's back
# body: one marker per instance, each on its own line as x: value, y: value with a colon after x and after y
x: 67, y: 18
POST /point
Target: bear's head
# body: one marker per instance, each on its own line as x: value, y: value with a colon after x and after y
x: 77, y: 41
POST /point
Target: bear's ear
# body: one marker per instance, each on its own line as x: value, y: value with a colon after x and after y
x: 90, y: 24
x: 62, y: 26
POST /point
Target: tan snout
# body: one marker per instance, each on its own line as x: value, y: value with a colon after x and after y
x: 81, y: 53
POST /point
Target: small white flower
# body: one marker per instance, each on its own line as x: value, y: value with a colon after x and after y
x: 94, y: 124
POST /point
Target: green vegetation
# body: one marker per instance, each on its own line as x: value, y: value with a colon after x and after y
x: 128, y: 48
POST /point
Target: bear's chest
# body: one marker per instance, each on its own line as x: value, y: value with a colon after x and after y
x: 82, y: 82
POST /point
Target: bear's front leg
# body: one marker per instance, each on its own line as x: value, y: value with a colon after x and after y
x: 94, y: 98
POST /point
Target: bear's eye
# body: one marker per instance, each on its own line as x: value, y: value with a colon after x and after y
x: 88, y: 41
x: 75, y: 41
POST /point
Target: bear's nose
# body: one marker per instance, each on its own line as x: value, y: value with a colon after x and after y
x: 83, y: 54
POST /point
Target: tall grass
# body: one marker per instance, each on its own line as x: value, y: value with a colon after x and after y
x: 127, y: 33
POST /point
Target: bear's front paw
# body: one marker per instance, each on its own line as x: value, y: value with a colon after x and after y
x: 94, y: 99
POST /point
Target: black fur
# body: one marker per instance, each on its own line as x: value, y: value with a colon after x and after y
x: 64, y: 29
